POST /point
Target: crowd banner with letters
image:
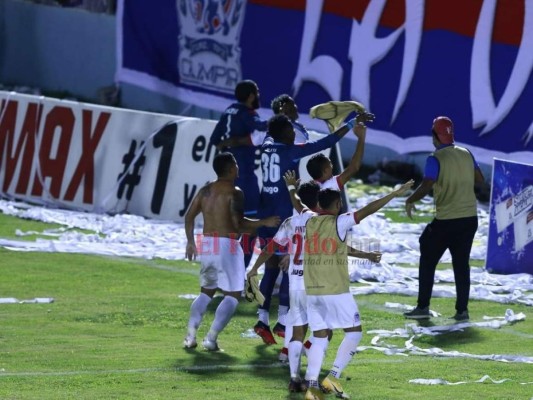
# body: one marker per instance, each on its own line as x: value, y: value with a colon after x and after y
x: 510, y: 242
x: 101, y: 159
x: 406, y: 61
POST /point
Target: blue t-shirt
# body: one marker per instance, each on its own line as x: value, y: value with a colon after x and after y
x: 240, y: 121
x: 432, y: 167
x: 276, y: 160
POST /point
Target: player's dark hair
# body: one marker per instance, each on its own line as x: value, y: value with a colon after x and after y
x: 222, y: 163
x: 316, y: 164
x: 308, y: 192
x: 244, y: 89
x: 279, y: 101
x: 278, y: 125
x: 327, y: 197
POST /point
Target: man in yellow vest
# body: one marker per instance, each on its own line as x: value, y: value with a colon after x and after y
x: 451, y: 171
x: 330, y: 305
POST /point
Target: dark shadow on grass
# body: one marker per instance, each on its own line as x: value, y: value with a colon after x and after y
x: 450, y: 340
x: 207, y: 362
x: 426, y: 323
x: 278, y: 372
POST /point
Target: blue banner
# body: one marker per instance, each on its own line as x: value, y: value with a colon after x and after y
x: 510, y: 244
x: 406, y: 61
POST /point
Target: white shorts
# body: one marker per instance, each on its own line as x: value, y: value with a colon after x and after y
x: 335, y: 311
x: 298, y: 310
x: 222, y: 264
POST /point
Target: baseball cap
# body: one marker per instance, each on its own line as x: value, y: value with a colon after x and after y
x: 443, y: 128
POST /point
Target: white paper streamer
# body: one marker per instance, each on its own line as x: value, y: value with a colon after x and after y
x: 37, y: 300
x: 413, y: 331
x: 439, y: 381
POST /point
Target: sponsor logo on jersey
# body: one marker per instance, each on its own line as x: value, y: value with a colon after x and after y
x: 270, y: 189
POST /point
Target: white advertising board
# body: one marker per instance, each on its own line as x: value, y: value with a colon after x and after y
x: 100, y: 159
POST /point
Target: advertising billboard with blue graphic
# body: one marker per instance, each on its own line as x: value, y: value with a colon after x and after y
x: 510, y: 244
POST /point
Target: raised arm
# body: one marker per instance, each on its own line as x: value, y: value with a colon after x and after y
x: 292, y: 184
x: 375, y: 205
x: 355, y: 163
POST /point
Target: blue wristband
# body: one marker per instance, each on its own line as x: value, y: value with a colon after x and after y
x: 350, y: 124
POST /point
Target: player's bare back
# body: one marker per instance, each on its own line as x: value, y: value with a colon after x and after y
x: 218, y: 201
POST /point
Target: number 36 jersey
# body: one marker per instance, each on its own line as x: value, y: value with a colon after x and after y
x: 291, y: 234
x: 276, y: 159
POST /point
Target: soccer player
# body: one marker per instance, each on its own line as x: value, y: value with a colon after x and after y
x: 282, y: 104
x: 279, y: 154
x: 330, y: 305
x: 320, y: 167
x: 239, y: 121
x: 291, y: 234
x: 285, y: 104
x: 222, y: 207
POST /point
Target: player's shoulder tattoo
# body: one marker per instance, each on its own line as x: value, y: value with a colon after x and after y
x: 205, y: 191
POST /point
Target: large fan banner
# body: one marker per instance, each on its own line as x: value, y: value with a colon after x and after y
x: 406, y: 61
x: 510, y: 245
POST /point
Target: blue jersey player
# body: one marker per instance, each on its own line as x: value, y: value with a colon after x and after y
x: 280, y: 154
x: 240, y: 120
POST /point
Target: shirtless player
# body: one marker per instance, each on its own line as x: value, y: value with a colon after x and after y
x: 222, y: 206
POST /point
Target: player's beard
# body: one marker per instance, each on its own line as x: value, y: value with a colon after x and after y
x: 256, y: 104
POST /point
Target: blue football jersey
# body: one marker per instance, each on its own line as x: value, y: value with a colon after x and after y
x: 240, y: 121
x: 276, y: 160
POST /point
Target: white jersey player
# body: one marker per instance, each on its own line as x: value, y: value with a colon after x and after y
x: 291, y: 236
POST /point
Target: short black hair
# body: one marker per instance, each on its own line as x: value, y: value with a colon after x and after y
x: 222, y: 163
x: 316, y: 164
x: 308, y: 192
x: 279, y: 101
x: 327, y: 197
x: 277, y: 126
x: 244, y: 89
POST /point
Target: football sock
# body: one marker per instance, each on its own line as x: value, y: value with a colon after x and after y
x: 315, y: 356
x: 346, y: 351
x: 223, y: 314
x: 295, y: 351
x: 198, y: 309
x: 288, y: 335
x: 263, y: 316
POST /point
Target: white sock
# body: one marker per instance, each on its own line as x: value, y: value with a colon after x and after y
x: 315, y: 357
x: 263, y: 316
x: 288, y: 335
x: 223, y: 314
x: 282, y: 314
x: 295, y: 351
x: 198, y: 309
x: 346, y: 351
